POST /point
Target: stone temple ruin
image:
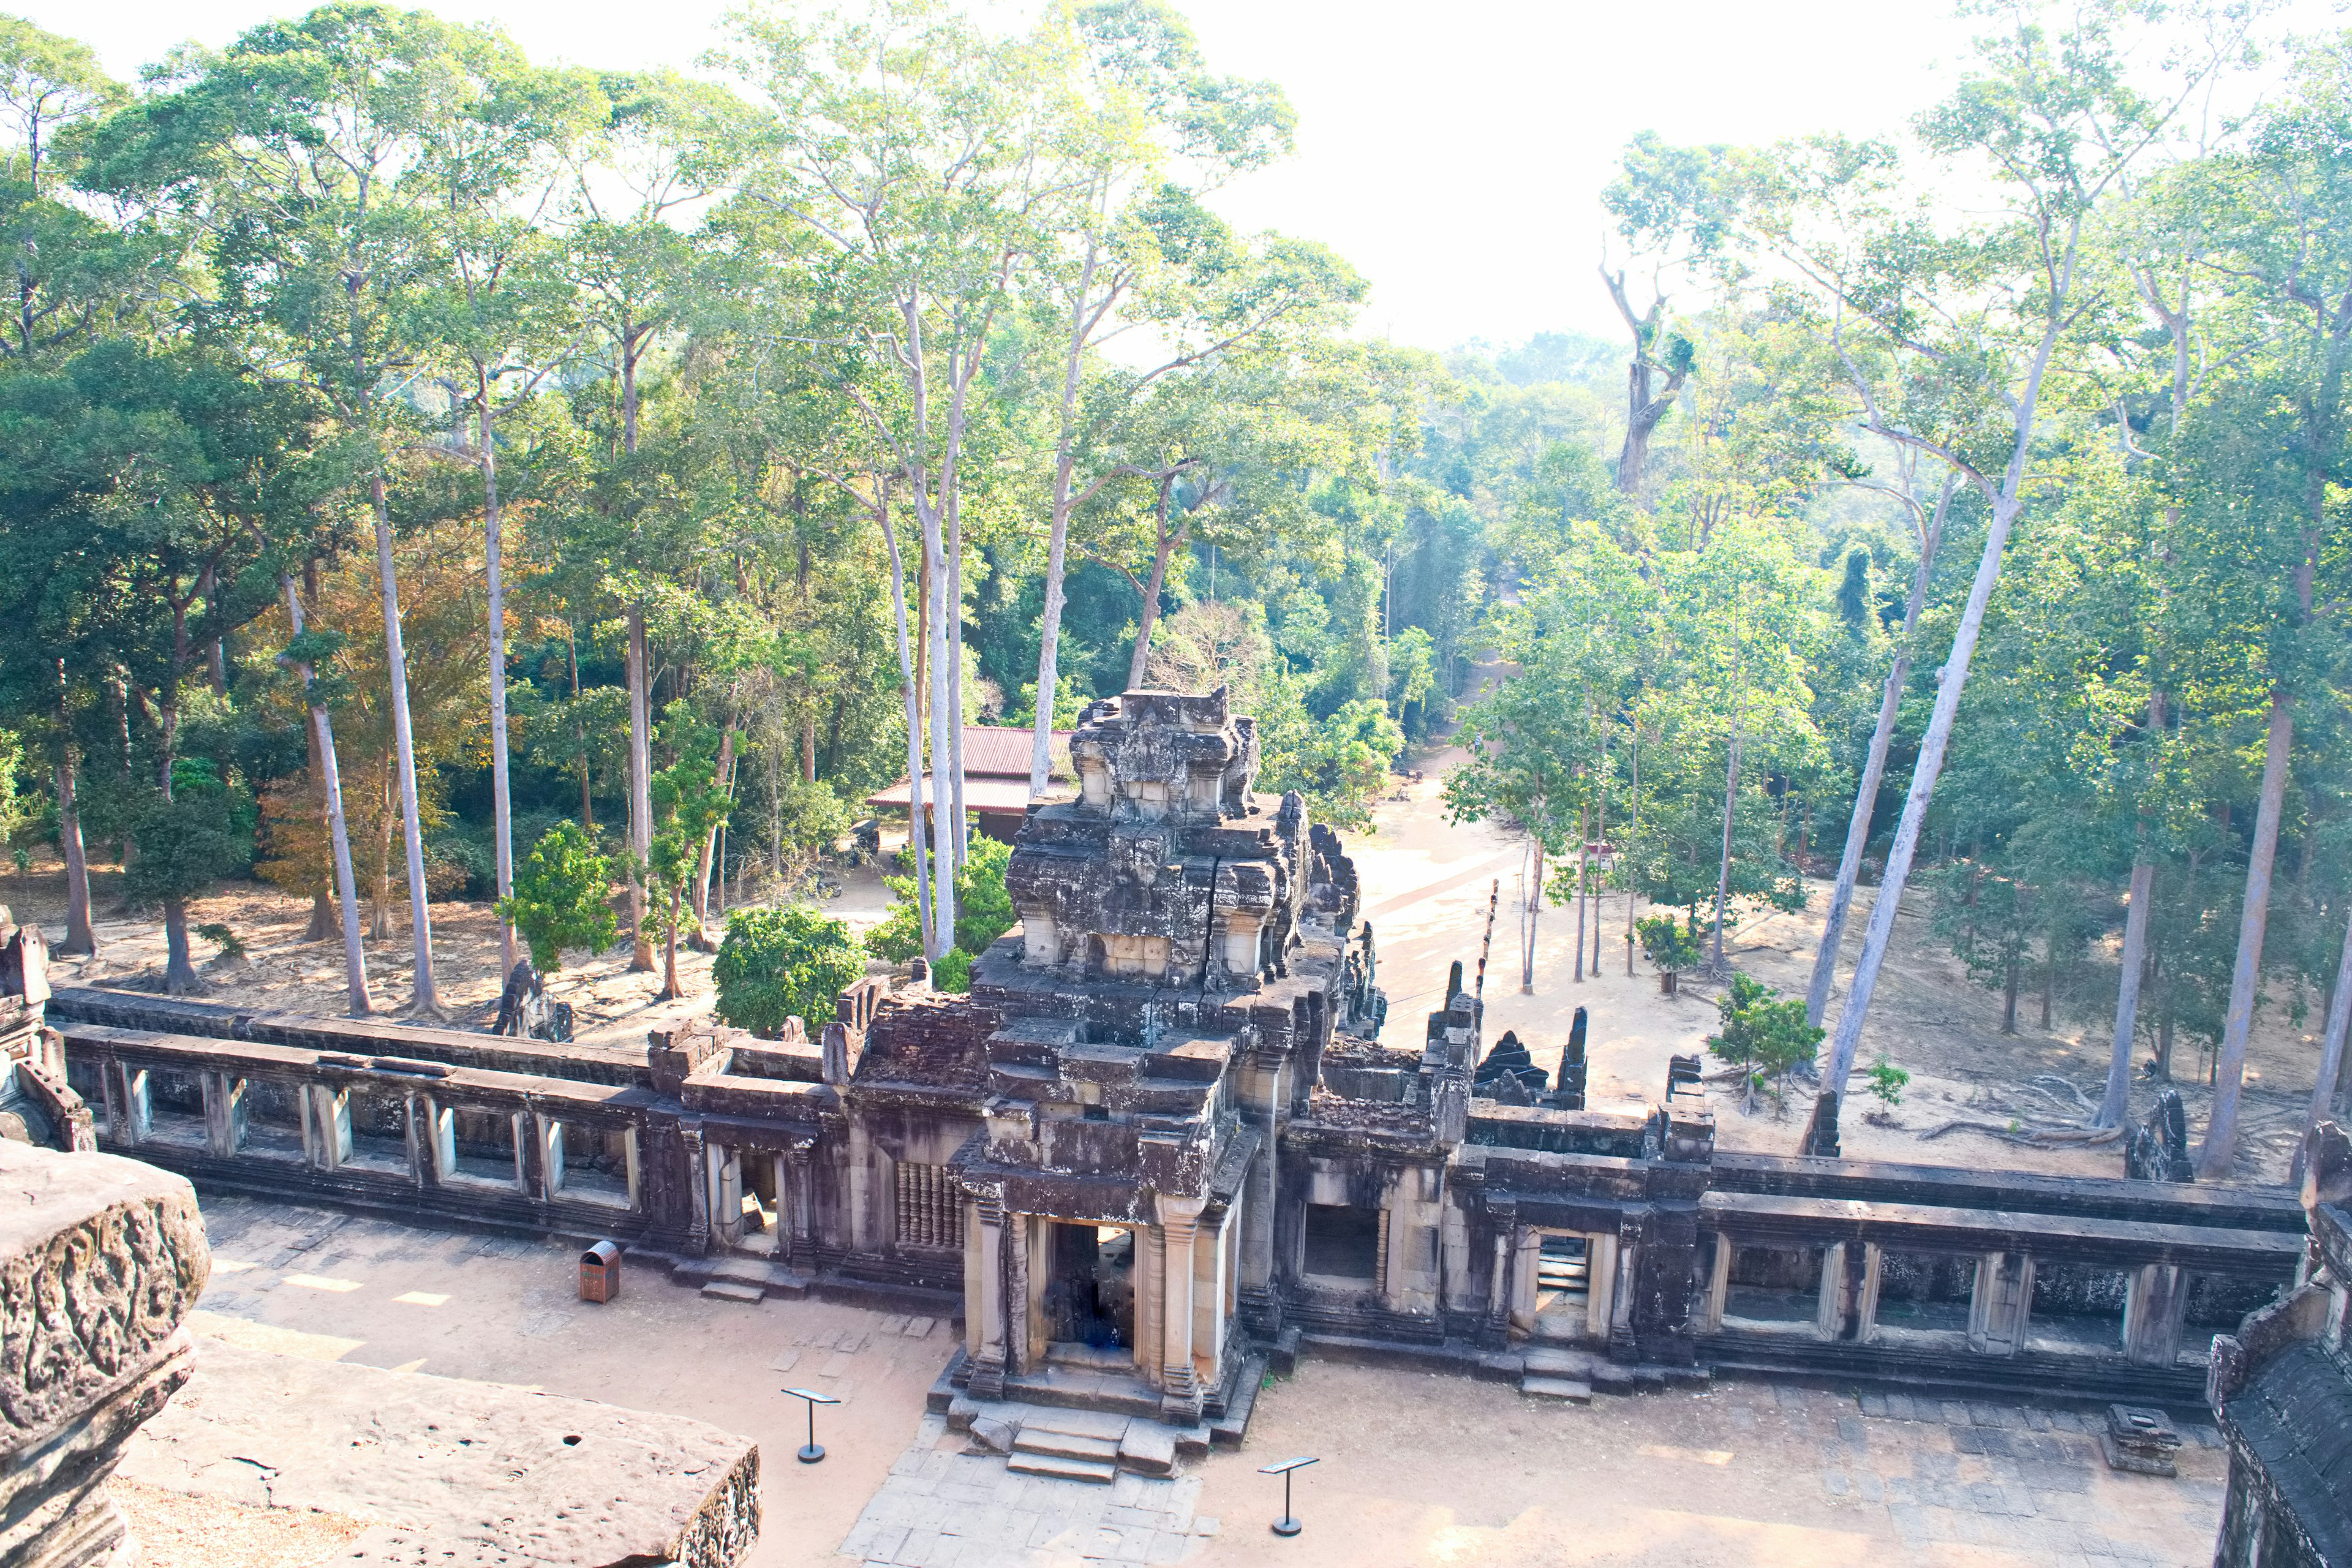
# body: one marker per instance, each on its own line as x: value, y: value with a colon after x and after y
x: 1163, y: 1144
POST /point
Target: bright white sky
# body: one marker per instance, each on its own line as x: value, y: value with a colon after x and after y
x: 1453, y: 150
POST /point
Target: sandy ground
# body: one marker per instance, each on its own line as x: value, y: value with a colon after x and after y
x: 1426, y: 885
x: 1416, y: 1467
x: 610, y: 1003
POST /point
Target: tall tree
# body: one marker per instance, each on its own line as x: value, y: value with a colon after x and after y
x: 1951, y: 337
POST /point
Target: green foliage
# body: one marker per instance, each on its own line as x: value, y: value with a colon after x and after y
x: 563, y: 894
x: 1670, y: 946
x: 1340, y: 764
x: 784, y: 963
x: 953, y: 972
x: 810, y: 818
x: 1762, y: 1034
x: 228, y: 942
x: 983, y: 906
x: 200, y: 833
x: 1886, y: 1081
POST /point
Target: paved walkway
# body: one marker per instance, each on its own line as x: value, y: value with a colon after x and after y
x: 943, y: 1508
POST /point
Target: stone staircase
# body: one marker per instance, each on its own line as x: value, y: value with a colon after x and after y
x: 1574, y: 1376
x: 1074, y: 1445
x: 730, y: 1278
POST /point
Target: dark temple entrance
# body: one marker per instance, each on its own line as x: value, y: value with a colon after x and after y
x: 1090, y: 1292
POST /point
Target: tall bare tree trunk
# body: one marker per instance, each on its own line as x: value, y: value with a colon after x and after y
x: 1164, y: 546
x: 427, y: 1001
x: 579, y: 733
x: 944, y: 855
x: 911, y: 691
x: 80, y: 939
x: 330, y: 784
x: 2117, y: 1100
x: 1949, y: 684
x: 501, y: 810
x: 1581, y: 839
x: 2218, y: 1154
x: 2331, y: 1055
x: 641, y: 791
x: 1731, y: 802
x: 1057, y: 535
x: 962, y: 838
x: 1632, y: 836
x: 722, y: 778
x: 1873, y: 768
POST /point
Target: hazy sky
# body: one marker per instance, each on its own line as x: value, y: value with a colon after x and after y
x: 1453, y: 150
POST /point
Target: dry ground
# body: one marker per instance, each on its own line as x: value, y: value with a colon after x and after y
x: 1426, y: 885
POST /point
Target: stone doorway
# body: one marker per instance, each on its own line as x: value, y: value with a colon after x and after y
x: 1089, y: 1298
x: 1571, y: 1273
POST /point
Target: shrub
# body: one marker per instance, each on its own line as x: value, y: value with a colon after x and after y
x: 1886, y: 1081
x: 779, y: 963
x: 983, y: 906
x: 953, y: 972
x: 1762, y: 1034
x: 229, y: 943
x: 1672, y: 948
x: 562, y: 897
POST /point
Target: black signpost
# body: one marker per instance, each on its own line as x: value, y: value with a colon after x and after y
x: 811, y: 1453
x: 1289, y: 1523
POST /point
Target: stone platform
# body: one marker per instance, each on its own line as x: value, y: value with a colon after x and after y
x: 452, y: 1472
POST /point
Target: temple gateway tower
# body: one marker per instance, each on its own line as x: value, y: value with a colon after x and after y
x: 1158, y: 1018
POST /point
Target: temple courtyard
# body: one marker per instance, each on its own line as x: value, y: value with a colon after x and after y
x: 1416, y: 1467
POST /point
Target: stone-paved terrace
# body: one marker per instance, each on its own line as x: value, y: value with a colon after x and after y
x: 1417, y: 1467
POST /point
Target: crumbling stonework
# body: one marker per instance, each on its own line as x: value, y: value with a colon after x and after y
x: 101, y: 1260
x: 35, y: 1104
x: 2281, y: 1389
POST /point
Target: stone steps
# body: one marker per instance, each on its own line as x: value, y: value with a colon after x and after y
x: 1067, y: 1446
x: 1573, y: 1391
x: 734, y: 1290
x: 1062, y: 1469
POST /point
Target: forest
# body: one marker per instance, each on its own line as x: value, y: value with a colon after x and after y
x: 425, y: 474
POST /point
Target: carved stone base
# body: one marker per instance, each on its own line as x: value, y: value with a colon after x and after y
x: 99, y: 1260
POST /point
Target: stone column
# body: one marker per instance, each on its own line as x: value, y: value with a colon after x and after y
x: 801, y: 1206
x: 2153, y: 1311
x: 1498, y: 1332
x: 2002, y: 1303
x: 984, y: 1293
x: 1622, y: 1344
x: 101, y: 1260
x: 1179, y: 1390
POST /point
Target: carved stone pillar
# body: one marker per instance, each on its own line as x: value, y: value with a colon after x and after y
x: 2002, y: 1303
x: 799, y: 1208
x: 2154, y: 1307
x: 698, y: 1229
x: 101, y: 1260
x: 1179, y: 1390
x: 1496, y: 1330
x: 984, y: 1293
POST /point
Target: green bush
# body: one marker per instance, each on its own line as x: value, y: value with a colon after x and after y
x: 1669, y: 946
x: 953, y: 972
x: 983, y: 906
x: 787, y: 962
x: 1762, y: 1034
x: 562, y: 897
x: 227, y: 941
